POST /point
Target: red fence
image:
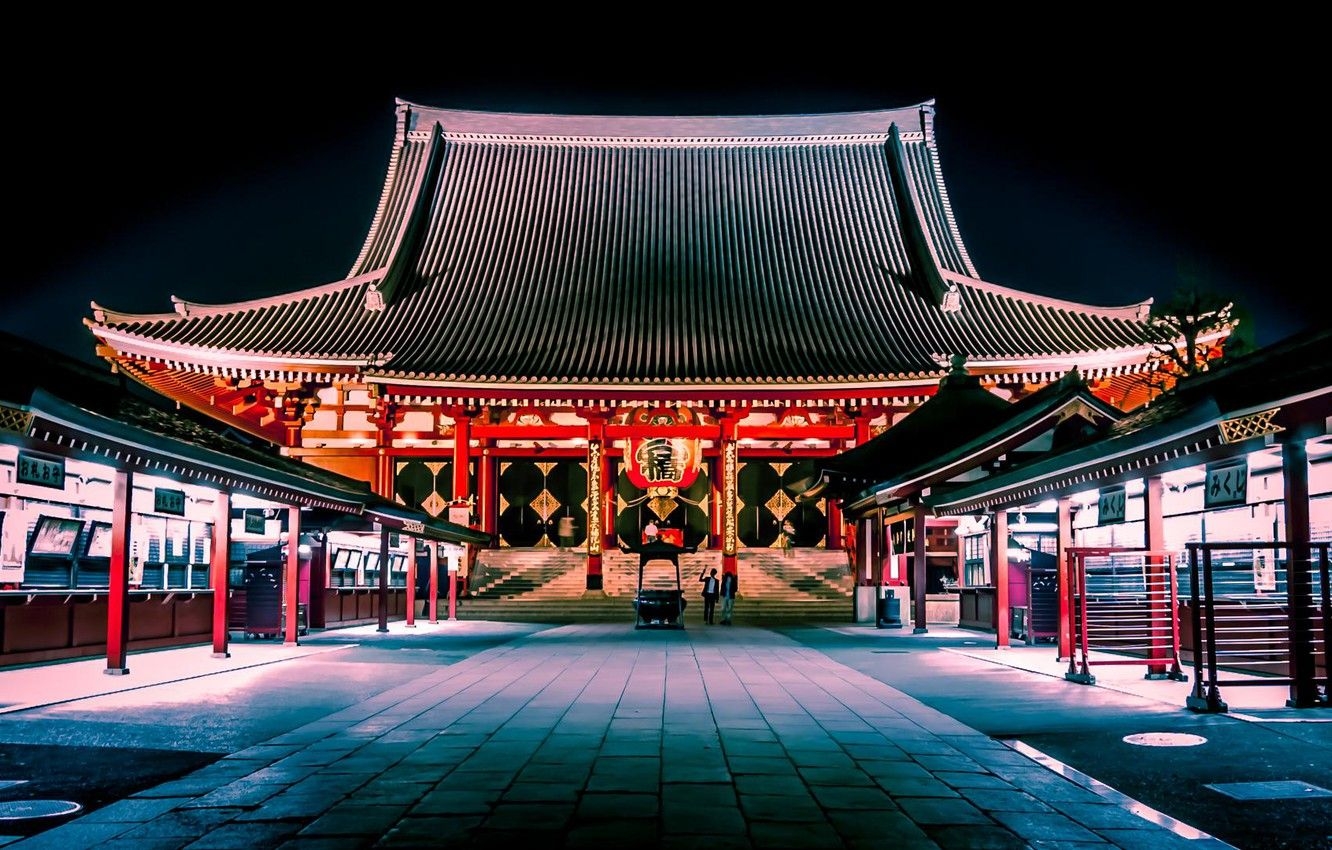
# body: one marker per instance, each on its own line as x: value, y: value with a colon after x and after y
x: 1122, y: 601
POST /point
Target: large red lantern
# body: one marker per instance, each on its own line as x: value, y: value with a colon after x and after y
x: 661, y: 460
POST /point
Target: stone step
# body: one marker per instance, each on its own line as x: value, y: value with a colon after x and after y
x: 600, y: 609
x: 807, y: 577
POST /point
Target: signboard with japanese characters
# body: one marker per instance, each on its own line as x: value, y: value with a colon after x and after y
x: 167, y: 501
x: 1110, y: 505
x: 42, y: 471
x: 254, y: 522
x: 1227, y: 483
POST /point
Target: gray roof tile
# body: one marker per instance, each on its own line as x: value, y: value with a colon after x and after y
x: 771, y: 250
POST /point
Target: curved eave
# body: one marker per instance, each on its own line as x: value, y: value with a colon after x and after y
x: 232, y: 362
x: 1134, y: 312
x: 182, y: 309
x: 72, y: 427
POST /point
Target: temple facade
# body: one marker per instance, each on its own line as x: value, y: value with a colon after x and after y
x: 589, y: 323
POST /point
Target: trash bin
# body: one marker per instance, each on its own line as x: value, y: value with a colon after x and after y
x: 888, y: 617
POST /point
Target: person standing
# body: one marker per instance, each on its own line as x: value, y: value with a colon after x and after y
x: 788, y: 538
x: 423, y: 584
x: 711, y: 589
x: 650, y: 531
x: 566, y: 532
x: 729, y: 584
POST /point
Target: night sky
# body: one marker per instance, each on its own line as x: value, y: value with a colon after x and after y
x: 232, y: 170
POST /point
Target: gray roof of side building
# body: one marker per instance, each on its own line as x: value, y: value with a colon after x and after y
x: 1283, y: 387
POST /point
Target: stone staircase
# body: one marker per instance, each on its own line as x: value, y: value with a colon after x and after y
x: 546, y: 585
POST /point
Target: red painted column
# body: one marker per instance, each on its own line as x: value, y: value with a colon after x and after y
x: 462, y: 430
x: 434, y: 587
x: 485, y: 497
x: 117, y: 601
x: 411, y: 584
x: 608, y: 481
x: 715, y: 509
x: 384, y: 472
x: 918, y: 570
x: 219, y: 565
x: 999, y: 561
x: 834, y: 525
x: 291, y: 576
x: 383, y: 579
x: 1158, y: 594
x: 1064, y: 542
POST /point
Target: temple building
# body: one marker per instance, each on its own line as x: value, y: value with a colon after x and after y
x: 621, y: 319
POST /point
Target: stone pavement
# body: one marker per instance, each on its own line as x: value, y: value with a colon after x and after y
x: 595, y: 736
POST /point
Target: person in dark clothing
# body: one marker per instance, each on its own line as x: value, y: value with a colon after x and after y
x: 729, y: 583
x: 423, y: 587
x: 711, y: 589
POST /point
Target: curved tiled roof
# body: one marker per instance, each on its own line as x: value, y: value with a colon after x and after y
x: 512, y: 250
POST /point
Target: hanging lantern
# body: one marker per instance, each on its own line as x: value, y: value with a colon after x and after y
x: 661, y: 460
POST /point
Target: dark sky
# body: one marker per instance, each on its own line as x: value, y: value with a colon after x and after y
x: 223, y: 168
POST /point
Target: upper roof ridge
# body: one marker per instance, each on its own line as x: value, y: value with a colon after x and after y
x: 795, y: 126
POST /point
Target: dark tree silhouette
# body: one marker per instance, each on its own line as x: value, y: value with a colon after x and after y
x: 1191, y: 330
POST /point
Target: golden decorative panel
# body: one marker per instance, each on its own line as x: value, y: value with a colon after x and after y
x: 545, y: 504
x: 434, y: 505
x: 780, y: 504
x: 1253, y: 425
x: 14, y: 420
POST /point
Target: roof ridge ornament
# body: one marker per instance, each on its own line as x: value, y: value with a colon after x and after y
x: 374, y: 299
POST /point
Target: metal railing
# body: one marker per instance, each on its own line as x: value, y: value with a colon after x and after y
x: 1123, y: 602
x: 1272, y: 630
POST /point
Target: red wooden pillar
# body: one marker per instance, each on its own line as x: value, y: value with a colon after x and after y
x: 1158, y: 593
x: 918, y: 570
x: 291, y: 577
x: 1064, y: 542
x: 462, y: 439
x: 834, y: 525
x: 486, y: 502
x: 999, y: 560
x: 383, y: 578
x: 117, y: 600
x: 715, y: 509
x: 411, y: 584
x: 384, y: 472
x: 219, y: 564
x: 434, y: 586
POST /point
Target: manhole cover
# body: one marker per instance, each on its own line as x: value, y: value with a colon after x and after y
x: 24, y: 809
x: 1164, y: 739
x: 1285, y: 789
